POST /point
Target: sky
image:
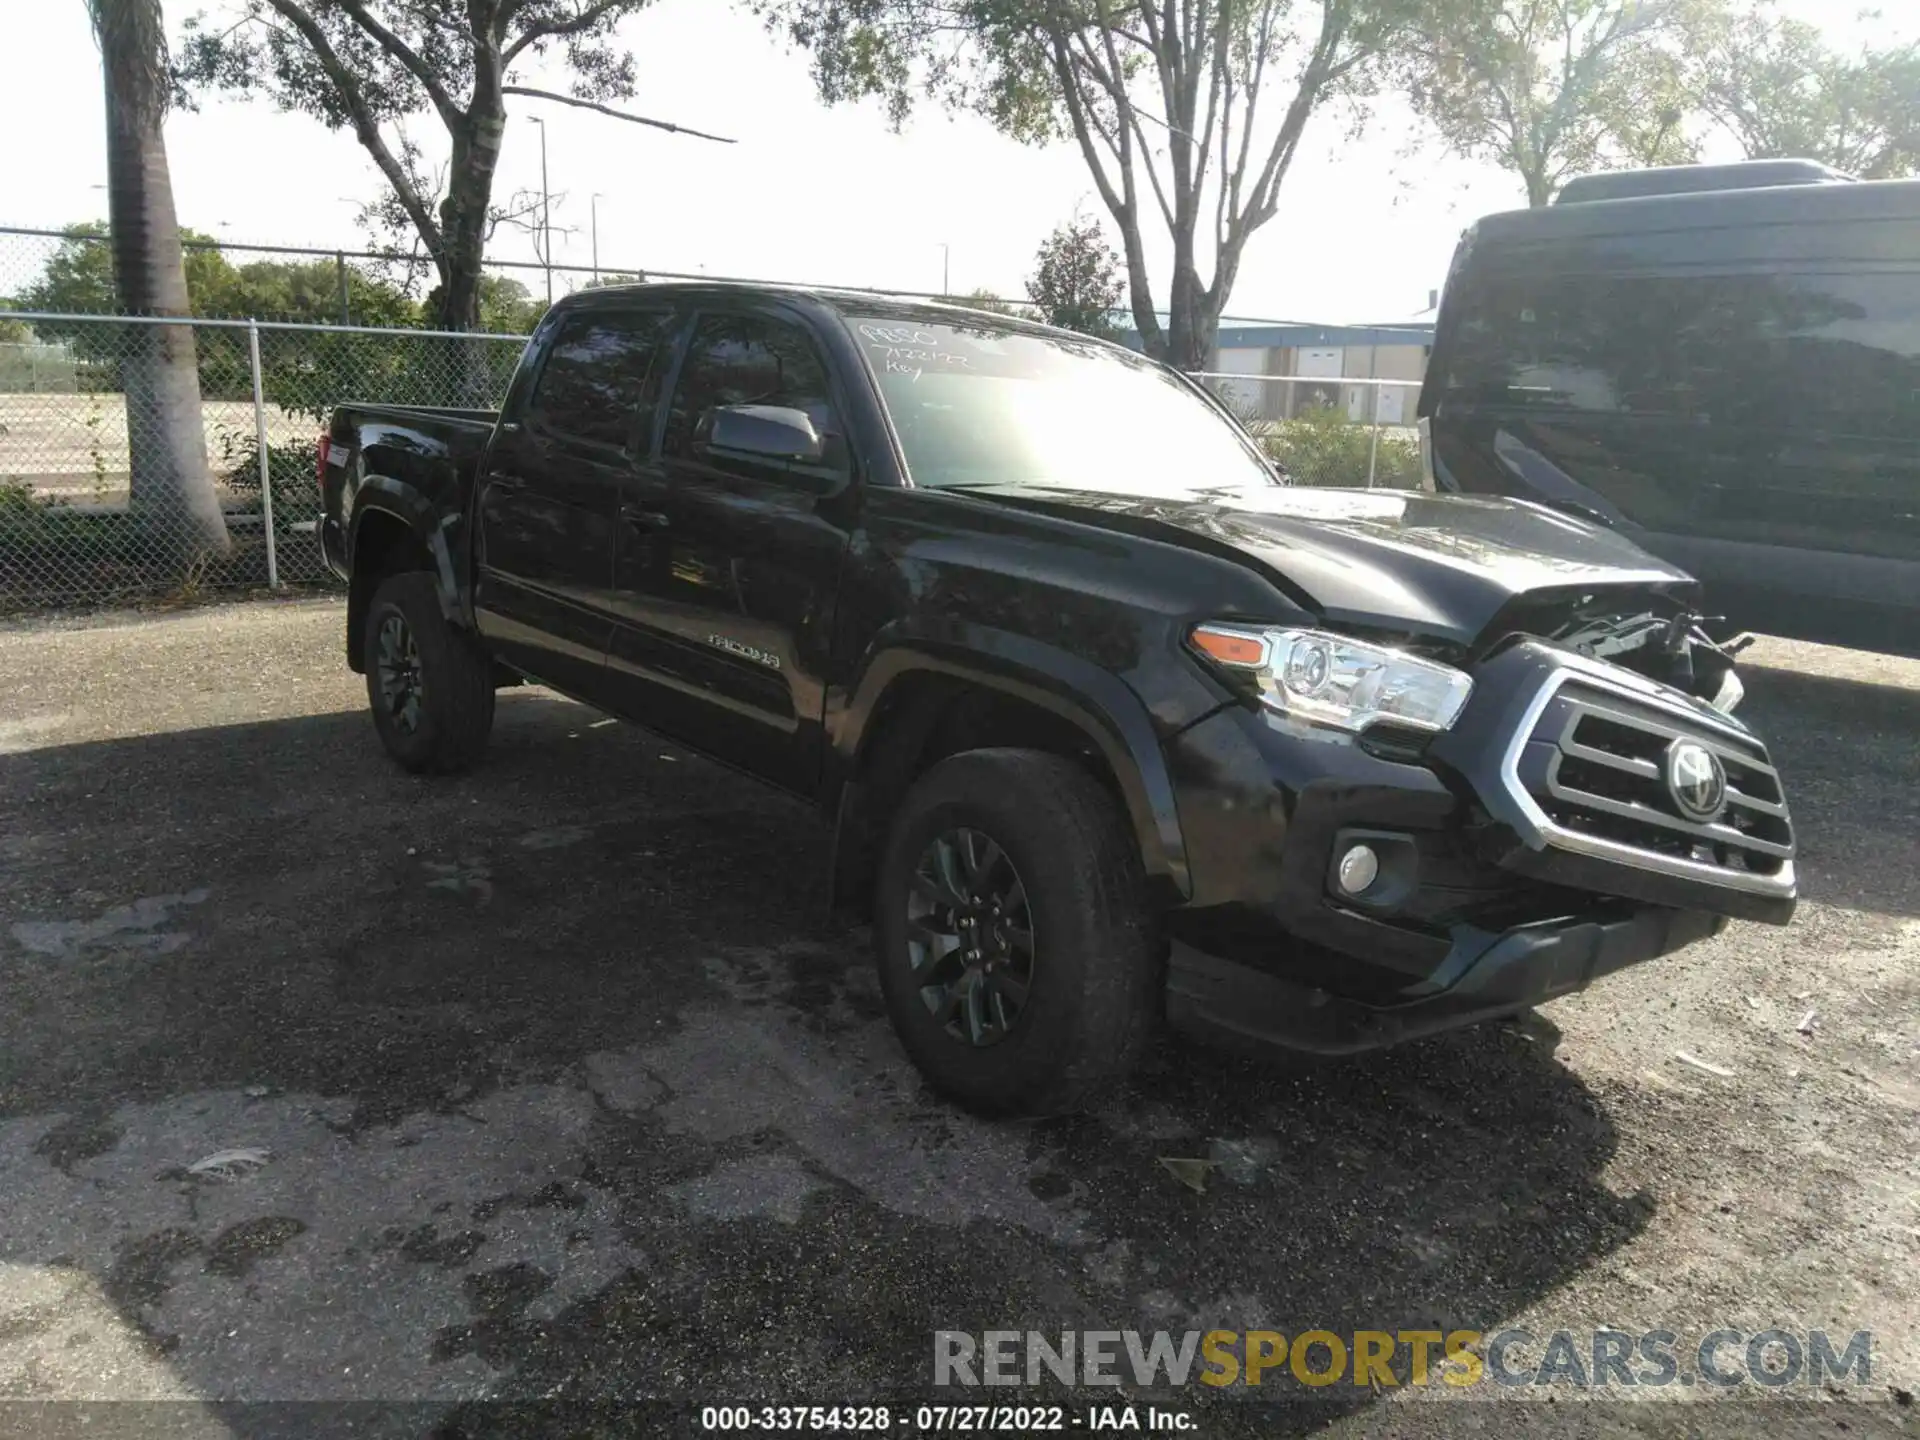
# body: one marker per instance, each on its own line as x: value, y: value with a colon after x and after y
x: 1365, y: 227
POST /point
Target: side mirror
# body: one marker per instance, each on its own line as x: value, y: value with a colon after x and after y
x: 766, y: 432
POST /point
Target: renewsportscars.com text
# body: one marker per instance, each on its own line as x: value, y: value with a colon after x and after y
x: 1461, y: 1359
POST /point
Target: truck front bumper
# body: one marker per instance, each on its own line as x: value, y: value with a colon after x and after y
x: 1482, y: 977
x: 1520, y: 857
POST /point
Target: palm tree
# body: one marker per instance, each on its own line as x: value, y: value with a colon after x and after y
x: 172, y: 490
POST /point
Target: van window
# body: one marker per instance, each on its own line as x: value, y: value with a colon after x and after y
x: 1850, y: 362
x: 1801, y: 350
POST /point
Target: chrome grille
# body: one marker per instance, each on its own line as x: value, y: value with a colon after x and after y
x: 1593, y: 766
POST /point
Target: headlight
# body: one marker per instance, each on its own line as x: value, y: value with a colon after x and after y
x: 1338, y: 682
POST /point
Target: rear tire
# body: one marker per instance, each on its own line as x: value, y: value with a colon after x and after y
x: 1041, y: 987
x: 429, y: 683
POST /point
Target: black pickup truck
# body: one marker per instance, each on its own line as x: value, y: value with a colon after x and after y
x: 1110, y: 723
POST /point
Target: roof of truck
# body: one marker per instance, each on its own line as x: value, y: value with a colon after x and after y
x: 863, y: 302
x: 1696, y: 179
x: 1798, y: 203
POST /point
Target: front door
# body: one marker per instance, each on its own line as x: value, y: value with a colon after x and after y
x: 550, y: 494
x: 737, y: 656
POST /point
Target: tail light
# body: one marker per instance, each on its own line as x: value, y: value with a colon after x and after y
x: 323, y: 458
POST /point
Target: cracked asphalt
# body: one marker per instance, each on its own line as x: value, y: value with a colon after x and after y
x: 324, y: 1083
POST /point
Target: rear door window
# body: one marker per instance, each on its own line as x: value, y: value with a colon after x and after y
x: 601, y: 377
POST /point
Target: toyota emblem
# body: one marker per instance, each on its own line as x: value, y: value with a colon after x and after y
x: 1696, y: 780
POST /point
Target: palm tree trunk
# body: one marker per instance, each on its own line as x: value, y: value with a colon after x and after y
x: 172, y: 492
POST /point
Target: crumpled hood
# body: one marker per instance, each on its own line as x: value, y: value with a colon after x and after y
x: 1442, y: 565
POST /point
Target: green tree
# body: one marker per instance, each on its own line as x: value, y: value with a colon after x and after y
x: 303, y: 371
x: 979, y: 299
x: 307, y: 291
x: 1189, y: 113
x: 1554, y: 88
x: 1776, y: 87
x: 78, y: 278
x: 1076, y: 282
x: 171, y: 486
x: 364, y: 66
x: 507, y: 307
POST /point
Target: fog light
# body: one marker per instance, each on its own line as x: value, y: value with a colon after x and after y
x: 1359, y: 868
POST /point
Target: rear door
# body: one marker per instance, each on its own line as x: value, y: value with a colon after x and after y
x: 550, y: 495
x: 733, y: 657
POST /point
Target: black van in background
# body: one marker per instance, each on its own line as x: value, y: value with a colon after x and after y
x: 1728, y: 372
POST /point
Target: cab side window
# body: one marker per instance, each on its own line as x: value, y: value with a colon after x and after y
x: 601, y: 379
x: 745, y: 360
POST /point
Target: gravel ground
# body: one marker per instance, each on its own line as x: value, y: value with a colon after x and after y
x: 554, y: 1080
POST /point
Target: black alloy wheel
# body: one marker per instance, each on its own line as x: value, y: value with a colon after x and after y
x: 992, y: 855
x: 969, y: 937
x: 429, y: 682
x: 399, y: 673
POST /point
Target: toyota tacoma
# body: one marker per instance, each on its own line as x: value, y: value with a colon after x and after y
x: 1110, y: 723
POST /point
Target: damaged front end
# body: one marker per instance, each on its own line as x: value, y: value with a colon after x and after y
x: 1603, y: 755
x: 1592, y: 806
x: 1654, y: 632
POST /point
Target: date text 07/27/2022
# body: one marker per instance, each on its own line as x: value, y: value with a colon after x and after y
x: 952, y: 1419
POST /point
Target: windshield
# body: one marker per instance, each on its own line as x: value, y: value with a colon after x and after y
x: 980, y: 406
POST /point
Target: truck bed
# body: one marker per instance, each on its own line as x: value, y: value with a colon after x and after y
x: 431, y: 452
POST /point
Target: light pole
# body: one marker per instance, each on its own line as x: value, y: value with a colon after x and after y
x: 593, y: 204
x: 946, y: 279
x: 546, y: 213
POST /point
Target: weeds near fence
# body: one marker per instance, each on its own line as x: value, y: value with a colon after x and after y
x: 1322, y: 447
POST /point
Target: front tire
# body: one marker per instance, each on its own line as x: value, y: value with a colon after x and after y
x: 429, y: 683
x: 1017, y: 954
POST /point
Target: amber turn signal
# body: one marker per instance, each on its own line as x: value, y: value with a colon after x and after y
x: 1230, y: 647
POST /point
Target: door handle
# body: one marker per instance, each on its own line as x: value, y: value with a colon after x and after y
x: 644, y: 519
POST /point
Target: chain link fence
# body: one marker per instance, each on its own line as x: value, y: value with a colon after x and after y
x: 1330, y: 431
x: 71, y: 270
x: 142, y: 459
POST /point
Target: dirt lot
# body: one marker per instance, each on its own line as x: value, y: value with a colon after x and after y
x: 555, y: 1082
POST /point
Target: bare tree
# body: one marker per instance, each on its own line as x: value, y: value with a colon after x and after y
x: 1186, y: 111
x: 171, y: 488
x: 366, y: 65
